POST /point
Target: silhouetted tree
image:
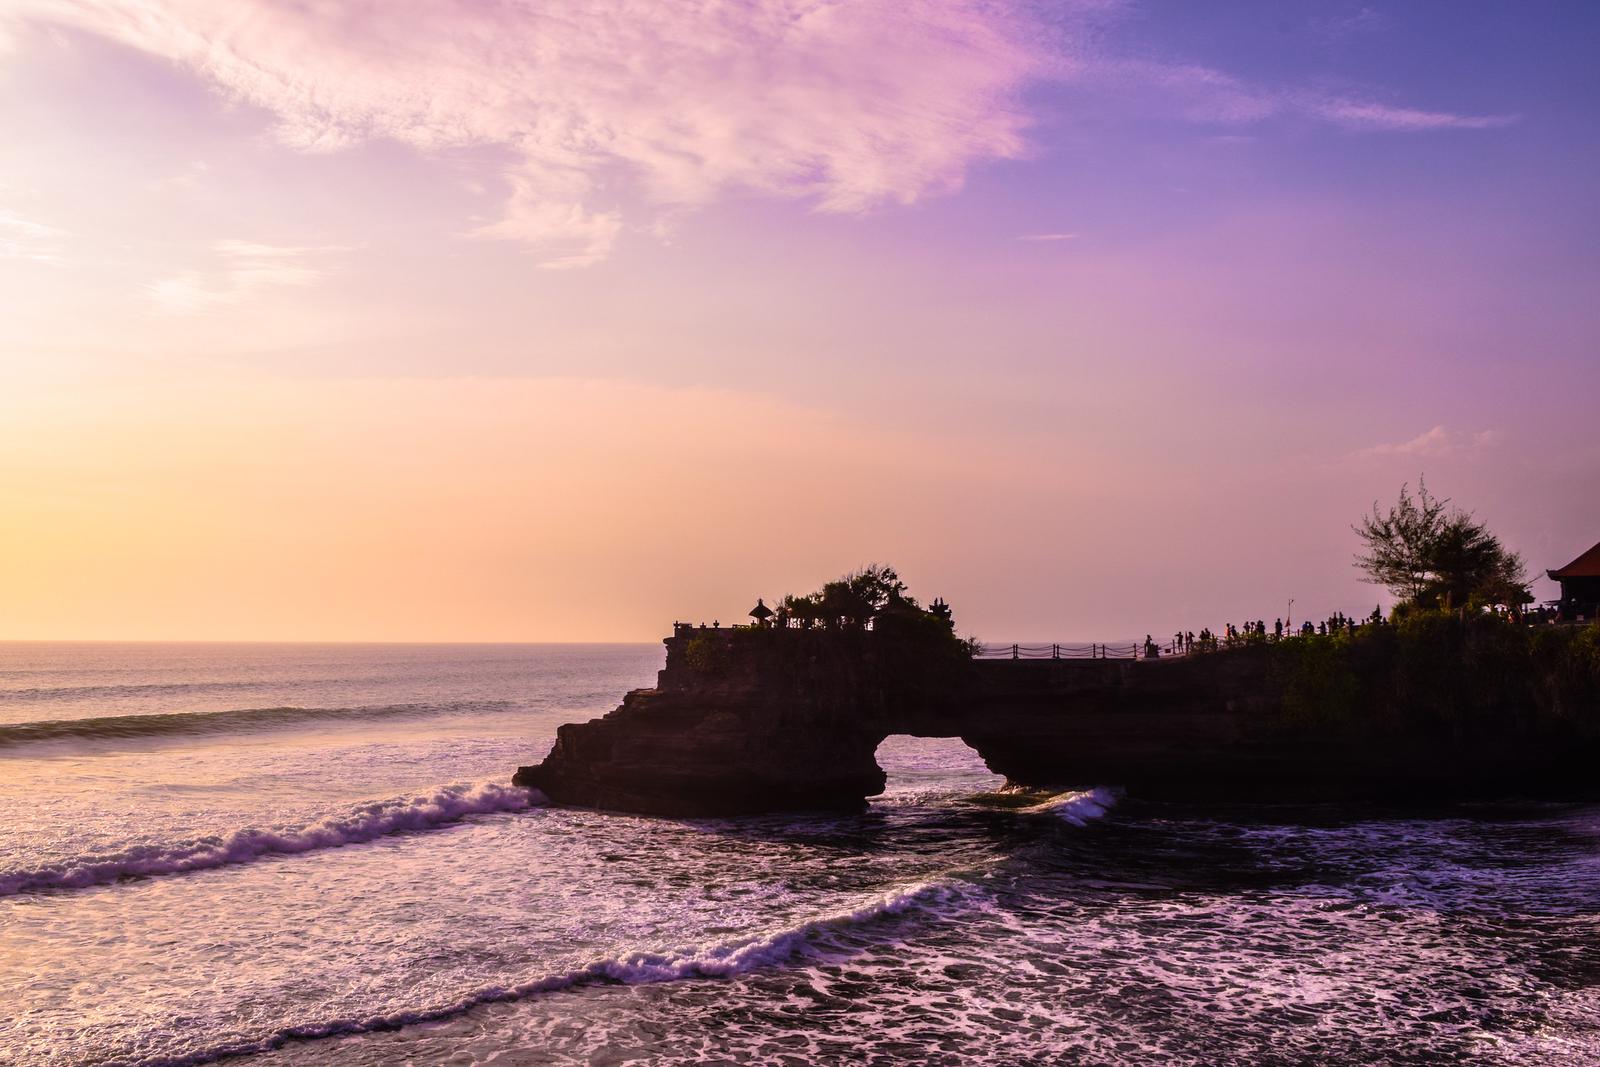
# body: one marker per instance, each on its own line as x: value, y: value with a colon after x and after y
x: 1433, y: 556
x: 854, y: 601
x: 912, y: 651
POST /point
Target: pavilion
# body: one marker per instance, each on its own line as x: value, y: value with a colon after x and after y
x: 1580, y: 586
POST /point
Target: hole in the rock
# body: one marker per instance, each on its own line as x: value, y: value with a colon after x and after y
x: 933, y: 765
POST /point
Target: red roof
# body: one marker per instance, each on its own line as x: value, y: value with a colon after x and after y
x: 1585, y: 566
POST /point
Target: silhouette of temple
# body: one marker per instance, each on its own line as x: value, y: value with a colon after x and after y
x: 1580, y: 586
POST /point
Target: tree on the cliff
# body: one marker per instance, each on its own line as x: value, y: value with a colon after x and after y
x: 1434, y: 556
x: 851, y: 602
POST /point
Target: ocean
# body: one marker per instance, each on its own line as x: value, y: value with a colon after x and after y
x: 299, y: 854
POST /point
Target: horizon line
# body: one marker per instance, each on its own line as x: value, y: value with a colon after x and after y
x: 286, y: 641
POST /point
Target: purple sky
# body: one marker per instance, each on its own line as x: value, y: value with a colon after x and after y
x: 555, y: 320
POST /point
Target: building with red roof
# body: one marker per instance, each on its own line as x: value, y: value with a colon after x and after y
x: 1580, y: 586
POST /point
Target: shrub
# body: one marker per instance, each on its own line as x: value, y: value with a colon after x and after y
x: 706, y: 654
x: 1435, y: 671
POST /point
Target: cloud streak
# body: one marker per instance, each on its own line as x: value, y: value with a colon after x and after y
x: 604, y: 105
x: 1438, y: 441
x: 25, y: 239
x: 611, y: 115
x: 1358, y: 115
x: 242, y: 269
x: 1205, y: 95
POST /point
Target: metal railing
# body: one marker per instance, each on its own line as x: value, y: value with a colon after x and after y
x: 1135, y: 649
x: 1096, y: 650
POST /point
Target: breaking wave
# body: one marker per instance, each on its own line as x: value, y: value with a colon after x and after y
x: 1078, y: 807
x: 46, y: 693
x: 723, y: 960
x: 363, y: 822
x: 128, y: 727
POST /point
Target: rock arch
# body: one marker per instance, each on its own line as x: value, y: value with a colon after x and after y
x: 791, y: 720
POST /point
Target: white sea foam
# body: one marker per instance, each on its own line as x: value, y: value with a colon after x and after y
x: 722, y: 960
x: 1078, y: 807
x: 363, y: 822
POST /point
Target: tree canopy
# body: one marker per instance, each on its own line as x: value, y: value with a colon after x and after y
x: 1434, y: 556
x: 850, y: 602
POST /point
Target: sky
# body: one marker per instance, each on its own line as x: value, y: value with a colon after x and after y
x: 561, y: 320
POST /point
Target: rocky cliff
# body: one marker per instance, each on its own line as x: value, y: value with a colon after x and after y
x: 739, y: 721
x: 753, y: 720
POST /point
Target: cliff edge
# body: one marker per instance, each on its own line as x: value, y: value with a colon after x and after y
x: 757, y: 719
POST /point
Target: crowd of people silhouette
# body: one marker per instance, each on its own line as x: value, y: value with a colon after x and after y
x: 1247, y: 632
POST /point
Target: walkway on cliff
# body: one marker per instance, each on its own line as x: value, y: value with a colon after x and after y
x: 1097, y: 650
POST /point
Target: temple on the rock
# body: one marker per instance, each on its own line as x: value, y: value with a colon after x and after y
x: 1580, y: 586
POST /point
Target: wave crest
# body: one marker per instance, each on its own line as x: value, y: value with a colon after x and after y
x: 1078, y: 807
x: 128, y: 727
x: 363, y: 822
x: 638, y: 968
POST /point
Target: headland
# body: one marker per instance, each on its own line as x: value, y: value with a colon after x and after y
x: 769, y: 718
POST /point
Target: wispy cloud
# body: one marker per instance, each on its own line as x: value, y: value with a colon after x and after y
x: 548, y: 213
x: 1206, y: 95
x: 607, y: 105
x: 239, y: 270
x: 1438, y: 441
x: 189, y: 178
x: 614, y: 116
x: 24, y: 238
x: 1048, y: 237
x: 1358, y: 115
x: 1361, y: 20
x: 1189, y: 91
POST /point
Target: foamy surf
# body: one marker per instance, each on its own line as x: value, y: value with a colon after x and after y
x: 363, y: 822
x: 1078, y: 807
x: 723, y: 960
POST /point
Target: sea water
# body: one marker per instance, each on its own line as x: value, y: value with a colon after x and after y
x: 311, y: 855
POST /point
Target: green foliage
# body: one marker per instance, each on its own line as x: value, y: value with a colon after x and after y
x: 1322, y: 687
x: 1569, y: 673
x: 910, y: 653
x: 852, y: 602
x: 1431, y: 556
x: 706, y: 654
x: 1440, y: 672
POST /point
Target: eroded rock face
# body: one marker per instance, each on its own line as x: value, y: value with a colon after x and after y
x: 661, y: 755
x: 752, y: 721
x: 744, y: 721
x: 739, y: 722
